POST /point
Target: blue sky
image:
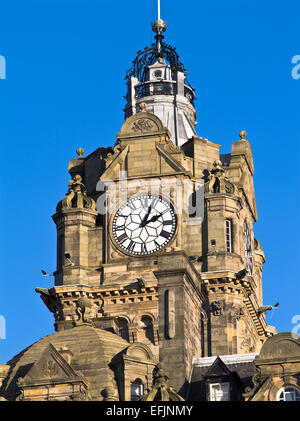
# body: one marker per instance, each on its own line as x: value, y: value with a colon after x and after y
x: 66, y: 61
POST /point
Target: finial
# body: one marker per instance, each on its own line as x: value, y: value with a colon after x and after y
x: 160, y: 390
x: 143, y: 107
x: 159, y: 26
x: 80, y: 152
x: 76, y: 196
x: 243, y: 134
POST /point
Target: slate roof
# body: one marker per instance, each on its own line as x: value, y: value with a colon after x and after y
x: 241, y: 364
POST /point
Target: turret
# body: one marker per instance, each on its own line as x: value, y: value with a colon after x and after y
x: 158, y: 78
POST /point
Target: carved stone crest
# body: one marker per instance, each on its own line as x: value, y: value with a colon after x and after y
x: 51, y: 369
x: 142, y: 125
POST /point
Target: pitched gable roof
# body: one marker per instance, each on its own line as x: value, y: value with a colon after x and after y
x: 51, y: 365
x: 218, y: 368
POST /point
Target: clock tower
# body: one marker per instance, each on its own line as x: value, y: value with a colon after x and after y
x: 155, y: 238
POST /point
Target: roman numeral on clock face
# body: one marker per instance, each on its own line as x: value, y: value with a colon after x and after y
x: 130, y: 247
x: 131, y: 205
x: 164, y: 234
x: 144, y: 248
x: 144, y: 201
x: 168, y: 222
x: 122, y: 238
x: 154, y: 202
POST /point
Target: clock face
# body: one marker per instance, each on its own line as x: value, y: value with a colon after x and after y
x: 248, y: 250
x: 144, y: 225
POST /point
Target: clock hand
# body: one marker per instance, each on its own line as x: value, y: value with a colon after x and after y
x: 155, y: 217
x: 144, y: 221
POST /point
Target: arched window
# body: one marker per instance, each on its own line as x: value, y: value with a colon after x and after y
x: 288, y: 394
x: 136, y: 390
x: 228, y: 228
x: 247, y: 248
x: 123, y: 328
x: 147, y: 326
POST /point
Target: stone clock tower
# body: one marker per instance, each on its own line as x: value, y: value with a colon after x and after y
x: 155, y: 238
x: 159, y: 238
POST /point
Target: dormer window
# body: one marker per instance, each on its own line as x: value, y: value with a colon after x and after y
x: 219, y: 392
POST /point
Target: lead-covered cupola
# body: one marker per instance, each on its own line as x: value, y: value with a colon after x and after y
x: 158, y: 78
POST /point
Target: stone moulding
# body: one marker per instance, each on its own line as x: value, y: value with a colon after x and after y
x: 226, y: 282
x: 85, y: 304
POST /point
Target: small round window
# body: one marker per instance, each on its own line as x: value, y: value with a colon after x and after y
x: 288, y: 394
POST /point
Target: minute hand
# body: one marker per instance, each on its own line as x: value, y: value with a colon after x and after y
x: 144, y: 221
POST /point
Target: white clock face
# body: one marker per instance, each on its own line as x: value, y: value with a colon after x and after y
x: 144, y: 225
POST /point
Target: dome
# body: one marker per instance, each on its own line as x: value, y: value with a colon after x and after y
x: 91, y: 350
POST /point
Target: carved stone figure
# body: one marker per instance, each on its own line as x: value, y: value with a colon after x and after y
x: 83, y: 309
x: 217, y: 182
x: 76, y: 196
x: 217, y: 308
x: 109, y: 394
x: 238, y: 313
x: 160, y: 391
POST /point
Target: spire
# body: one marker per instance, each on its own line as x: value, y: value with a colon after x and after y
x: 150, y: 55
x: 157, y: 78
x: 159, y: 27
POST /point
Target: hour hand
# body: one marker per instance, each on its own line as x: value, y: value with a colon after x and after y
x: 154, y: 218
